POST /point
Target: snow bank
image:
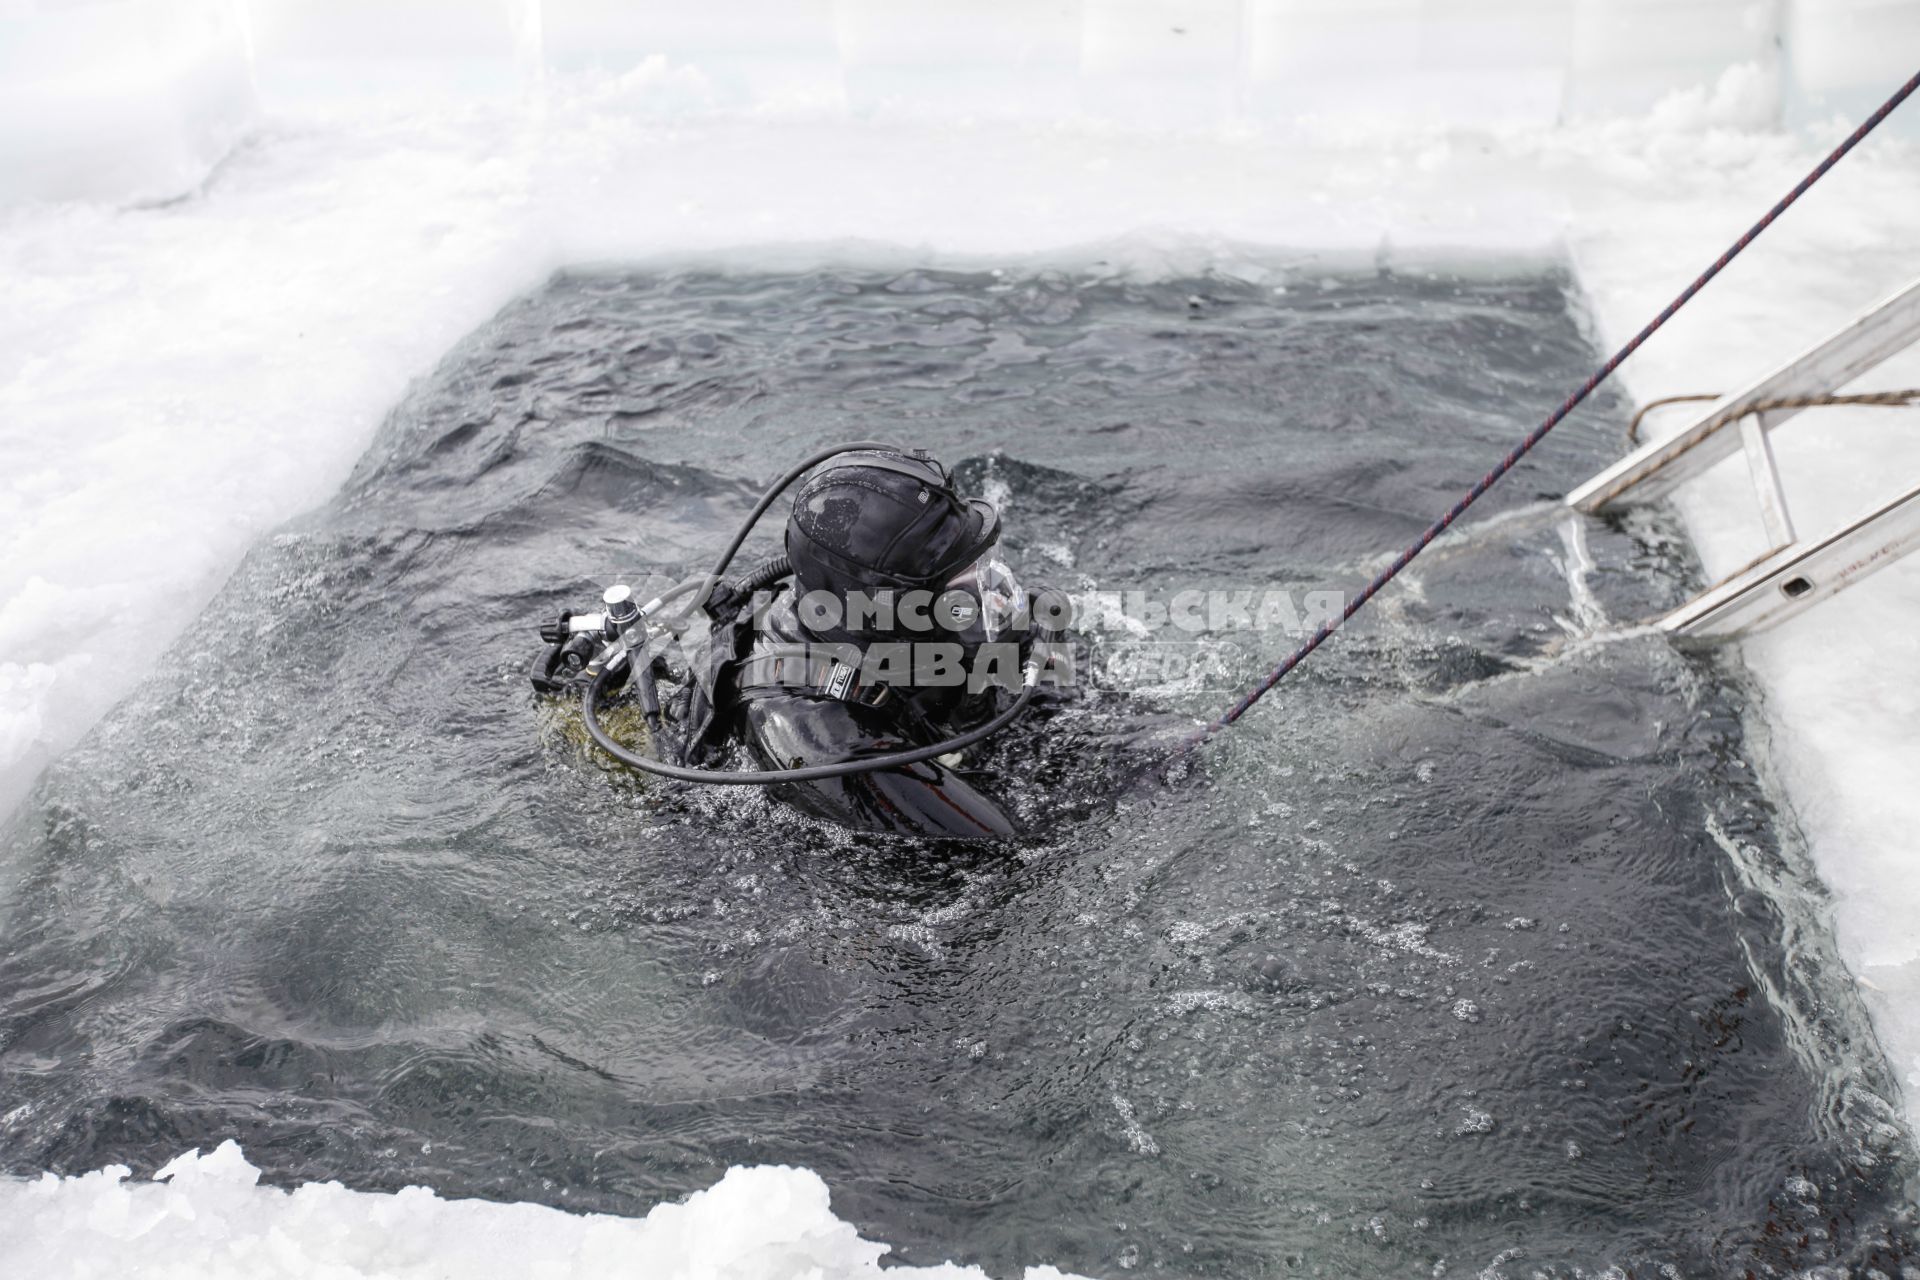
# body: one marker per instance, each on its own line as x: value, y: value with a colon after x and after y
x: 205, y: 1217
x: 174, y: 381
x: 128, y: 99
x: 140, y: 98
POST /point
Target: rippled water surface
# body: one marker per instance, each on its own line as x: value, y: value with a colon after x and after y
x: 1477, y: 944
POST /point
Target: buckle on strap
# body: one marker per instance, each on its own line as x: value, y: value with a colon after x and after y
x: 816, y: 669
x: 839, y: 681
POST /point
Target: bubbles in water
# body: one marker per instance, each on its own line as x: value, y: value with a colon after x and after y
x: 1184, y: 1002
x: 1137, y: 1138
x: 1474, y: 1121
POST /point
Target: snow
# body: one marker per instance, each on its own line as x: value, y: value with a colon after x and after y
x: 205, y: 1217
x: 121, y: 100
x: 230, y: 233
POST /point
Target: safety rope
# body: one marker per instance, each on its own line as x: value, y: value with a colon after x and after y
x: 1553, y: 420
x: 1885, y: 399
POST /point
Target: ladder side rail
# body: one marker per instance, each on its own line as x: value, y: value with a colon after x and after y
x: 1653, y: 470
x: 1794, y: 579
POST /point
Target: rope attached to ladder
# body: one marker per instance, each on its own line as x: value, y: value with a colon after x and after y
x: 1886, y: 399
x: 1553, y: 420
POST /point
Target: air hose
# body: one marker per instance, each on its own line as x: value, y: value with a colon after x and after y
x: 764, y: 576
x: 717, y: 574
x: 590, y: 709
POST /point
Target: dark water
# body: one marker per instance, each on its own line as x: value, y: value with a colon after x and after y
x: 1476, y: 945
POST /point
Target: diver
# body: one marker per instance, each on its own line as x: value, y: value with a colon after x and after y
x: 855, y: 670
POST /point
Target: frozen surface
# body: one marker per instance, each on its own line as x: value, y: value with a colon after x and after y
x: 117, y: 100
x: 141, y: 98
x: 205, y: 1216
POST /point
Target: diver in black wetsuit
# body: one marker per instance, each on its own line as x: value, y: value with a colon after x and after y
x: 854, y: 669
x: 883, y: 637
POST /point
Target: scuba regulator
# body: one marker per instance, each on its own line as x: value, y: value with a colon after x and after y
x: 597, y: 652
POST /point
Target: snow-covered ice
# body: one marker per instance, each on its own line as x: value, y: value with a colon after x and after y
x: 287, y: 210
x: 206, y: 1217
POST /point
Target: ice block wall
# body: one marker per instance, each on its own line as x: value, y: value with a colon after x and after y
x: 139, y: 98
x: 128, y: 100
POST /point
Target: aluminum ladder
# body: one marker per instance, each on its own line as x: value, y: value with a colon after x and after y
x: 1795, y: 573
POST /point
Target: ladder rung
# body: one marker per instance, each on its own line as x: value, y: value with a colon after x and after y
x: 1766, y: 481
